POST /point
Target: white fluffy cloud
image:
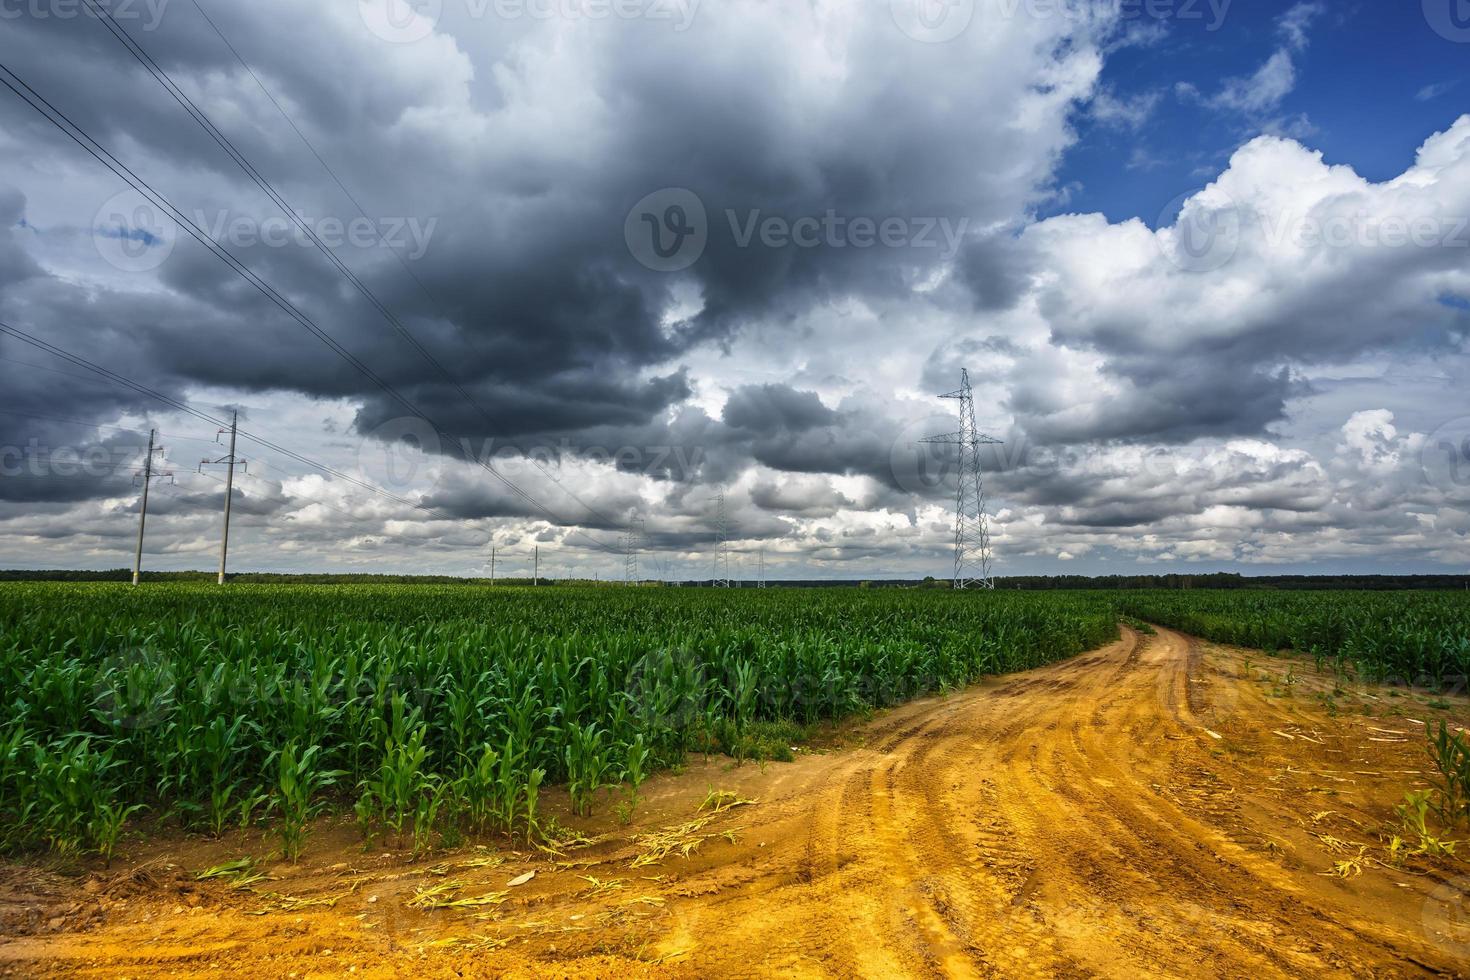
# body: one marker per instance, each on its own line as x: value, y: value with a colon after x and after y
x: 1178, y: 390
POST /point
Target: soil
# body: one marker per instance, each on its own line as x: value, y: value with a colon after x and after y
x: 1161, y: 806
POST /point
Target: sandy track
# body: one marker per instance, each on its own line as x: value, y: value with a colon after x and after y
x: 1152, y: 808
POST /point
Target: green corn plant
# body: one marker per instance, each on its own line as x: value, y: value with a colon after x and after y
x: 299, y: 783
x: 104, y: 828
x: 1414, y: 817
x: 586, y: 765
x: 1450, y: 753
x: 70, y: 790
x: 402, y: 781
x: 532, y: 791
x: 477, y: 789
x: 635, y: 771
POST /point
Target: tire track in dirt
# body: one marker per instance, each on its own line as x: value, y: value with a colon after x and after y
x: 1135, y: 810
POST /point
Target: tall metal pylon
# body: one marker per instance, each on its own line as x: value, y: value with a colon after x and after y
x: 971, y: 524
x: 632, y: 544
x: 722, y: 545
x: 760, y: 581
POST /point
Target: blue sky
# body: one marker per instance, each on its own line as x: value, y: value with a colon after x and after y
x: 1372, y: 81
x: 1258, y: 375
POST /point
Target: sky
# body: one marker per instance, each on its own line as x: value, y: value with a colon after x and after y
x: 561, y: 273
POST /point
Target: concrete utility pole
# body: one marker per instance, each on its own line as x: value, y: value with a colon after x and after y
x: 229, y: 462
x: 143, y: 510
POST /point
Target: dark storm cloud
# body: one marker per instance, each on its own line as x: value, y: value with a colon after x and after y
x: 527, y: 292
x: 769, y: 409
x: 996, y: 271
x: 15, y: 263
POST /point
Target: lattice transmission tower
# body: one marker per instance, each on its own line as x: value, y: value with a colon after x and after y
x: 971, y: 524
x: 722, y: 545
x: 632, y: 544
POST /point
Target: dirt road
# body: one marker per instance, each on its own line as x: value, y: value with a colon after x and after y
x: 1159, y: 807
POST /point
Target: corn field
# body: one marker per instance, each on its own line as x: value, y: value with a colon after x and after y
x: 1418, y: 638
x: 437, y: 711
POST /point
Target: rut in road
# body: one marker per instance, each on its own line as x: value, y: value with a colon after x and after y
x: 1081, y: 819
x: 1151, y: 808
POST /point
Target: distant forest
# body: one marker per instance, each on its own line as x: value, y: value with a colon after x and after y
x: 1218, y: 580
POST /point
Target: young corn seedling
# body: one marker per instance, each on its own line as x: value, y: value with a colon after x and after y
x: 587, y: 765
x: 635, y: 771
x: 299, y: 779
x: 1450, y: 753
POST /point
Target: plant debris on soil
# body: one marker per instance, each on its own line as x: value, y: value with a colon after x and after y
x: 1161, y: 806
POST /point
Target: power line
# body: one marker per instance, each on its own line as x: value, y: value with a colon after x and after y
x: 59, y: 119
x: 142, y: 389
x: 226, y: 144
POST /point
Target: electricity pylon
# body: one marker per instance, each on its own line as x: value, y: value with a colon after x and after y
x: 148, y: 476
x: 760, y: 582
x: 722, y: 545
x: 632, y: 544
x: 971, y: 525
x: 230, y: 462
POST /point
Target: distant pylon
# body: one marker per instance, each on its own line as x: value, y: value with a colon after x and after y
x: 632, y: 543
x: 230, y: 462
x: 971, y: 525
x: 147, y: 476
x: 722, y: 545
x: 760, y: 582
